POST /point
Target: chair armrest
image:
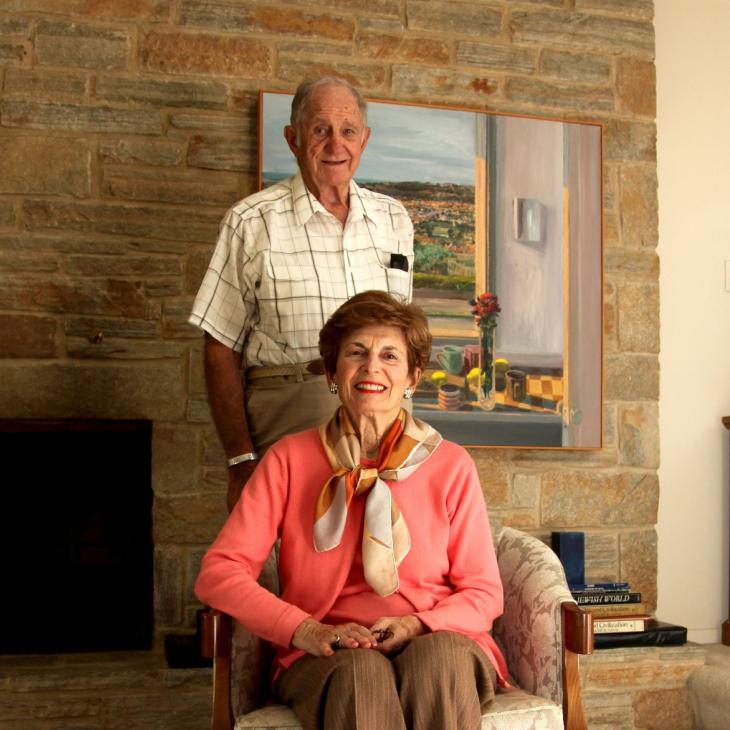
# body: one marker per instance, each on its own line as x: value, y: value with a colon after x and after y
x: 577, y: 628
x: 534, y: 627
x: 215, y: 644
x: 577, y: 639
x: 241, y: 660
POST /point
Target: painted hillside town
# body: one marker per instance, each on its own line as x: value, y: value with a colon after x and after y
x: 443, y: 223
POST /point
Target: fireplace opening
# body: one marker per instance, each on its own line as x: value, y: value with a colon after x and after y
x: 76, y: 536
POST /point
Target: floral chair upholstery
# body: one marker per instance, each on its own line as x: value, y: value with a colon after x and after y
x: 540, y: 633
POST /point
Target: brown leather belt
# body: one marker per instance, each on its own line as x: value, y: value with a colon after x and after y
x: 314, y: 367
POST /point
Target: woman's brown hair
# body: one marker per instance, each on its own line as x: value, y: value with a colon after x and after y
x: 377, y: 307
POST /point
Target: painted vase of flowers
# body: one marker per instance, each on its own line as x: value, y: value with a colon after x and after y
x: 485, y: 309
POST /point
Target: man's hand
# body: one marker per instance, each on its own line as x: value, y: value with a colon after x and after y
x: 321, y: 639
x: 394, y: 632
x: 237, y: 477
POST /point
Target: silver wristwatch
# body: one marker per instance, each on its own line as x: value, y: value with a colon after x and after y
x: 250, y: 456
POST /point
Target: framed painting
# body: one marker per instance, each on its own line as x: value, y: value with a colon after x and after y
x: 507, y: 214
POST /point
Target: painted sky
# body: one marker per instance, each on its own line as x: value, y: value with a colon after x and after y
x: 407, y: 143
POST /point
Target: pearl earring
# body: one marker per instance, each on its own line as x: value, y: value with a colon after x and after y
x: 333, y: 388
x: 408, y: 394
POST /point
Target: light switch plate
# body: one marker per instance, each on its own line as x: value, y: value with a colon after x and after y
x: 727, y: 276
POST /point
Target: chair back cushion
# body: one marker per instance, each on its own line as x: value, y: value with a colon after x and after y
x: 529, y: 632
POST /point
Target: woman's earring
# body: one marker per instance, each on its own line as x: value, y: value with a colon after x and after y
x: 408, y: 394
x: 333, y: 388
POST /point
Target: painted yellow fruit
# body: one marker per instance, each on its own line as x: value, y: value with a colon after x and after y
x: 501, y: 365
x: 438, y: 377
x: 473, y: 376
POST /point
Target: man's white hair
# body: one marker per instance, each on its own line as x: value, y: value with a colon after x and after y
x: 304, y: 92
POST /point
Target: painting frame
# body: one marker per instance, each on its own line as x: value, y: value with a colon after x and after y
x: 562, y: 406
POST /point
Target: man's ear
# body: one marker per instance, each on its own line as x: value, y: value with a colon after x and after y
x: 290, y: 135
x: 365, y: 138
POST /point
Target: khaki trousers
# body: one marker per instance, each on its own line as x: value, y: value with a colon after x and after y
x: 284, y: 404
x: 440, y: 681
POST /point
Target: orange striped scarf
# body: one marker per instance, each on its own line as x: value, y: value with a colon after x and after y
x: 386, y: 540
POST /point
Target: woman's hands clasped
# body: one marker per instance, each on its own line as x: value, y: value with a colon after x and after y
x: 394, y: 632
x: 387, y: 634
x: 322, y: 639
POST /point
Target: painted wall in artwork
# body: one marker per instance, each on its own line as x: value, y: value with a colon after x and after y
x: 529, y: 276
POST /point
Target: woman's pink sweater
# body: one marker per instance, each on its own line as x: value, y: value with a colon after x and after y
x: 450, y: 576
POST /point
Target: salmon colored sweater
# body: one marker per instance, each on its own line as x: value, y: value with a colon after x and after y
x: 449, y: 579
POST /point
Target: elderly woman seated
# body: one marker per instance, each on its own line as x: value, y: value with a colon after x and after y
x: 388, y: 575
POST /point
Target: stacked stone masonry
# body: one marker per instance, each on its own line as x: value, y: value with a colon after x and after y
x: 127, y: 127
x: 640, y: 689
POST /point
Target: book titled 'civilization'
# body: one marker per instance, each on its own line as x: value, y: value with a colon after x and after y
x: 619, y: 624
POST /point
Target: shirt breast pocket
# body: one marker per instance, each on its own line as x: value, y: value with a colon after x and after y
x: 397, y: 263
x: 290, y: 275
x: 399, y: 283
x: 287, y: 293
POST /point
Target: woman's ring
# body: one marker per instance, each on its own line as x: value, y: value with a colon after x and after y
x: 336, y: 643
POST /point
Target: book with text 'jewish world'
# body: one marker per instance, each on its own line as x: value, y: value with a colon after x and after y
x: 620, y: 624
x: 590, y: 598
x: 655, y: 633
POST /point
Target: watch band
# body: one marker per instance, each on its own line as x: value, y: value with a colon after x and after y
x: 250, y: 456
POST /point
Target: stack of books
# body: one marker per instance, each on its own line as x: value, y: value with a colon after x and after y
x: 621, y: 619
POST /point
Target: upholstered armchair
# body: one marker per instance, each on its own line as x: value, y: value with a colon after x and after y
x: 541, y: 633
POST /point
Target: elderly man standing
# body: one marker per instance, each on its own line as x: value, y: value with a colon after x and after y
x: 286, y: 259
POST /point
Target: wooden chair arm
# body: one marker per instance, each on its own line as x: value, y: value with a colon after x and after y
x: 577, y: 628
x: 577, y: 639
x: 215, y: 639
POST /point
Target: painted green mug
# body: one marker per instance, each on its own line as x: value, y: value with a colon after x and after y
x: 451, y: 358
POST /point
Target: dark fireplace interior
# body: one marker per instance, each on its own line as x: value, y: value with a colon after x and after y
x: 76, y: 536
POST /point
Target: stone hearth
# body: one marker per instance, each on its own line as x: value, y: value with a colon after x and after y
x: 112, y: 691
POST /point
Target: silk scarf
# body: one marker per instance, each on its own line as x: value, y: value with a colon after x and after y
x: 386, y: 540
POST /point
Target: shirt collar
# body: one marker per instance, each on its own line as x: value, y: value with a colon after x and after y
x: 359, y: 204
x: 306, y: 205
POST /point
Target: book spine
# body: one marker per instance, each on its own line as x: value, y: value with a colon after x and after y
x: 654, y: 634
x: 598, y: 586
x: 586, y: 599
x: 609, y: 610
x: 570, y: 548
x: 617, y: 626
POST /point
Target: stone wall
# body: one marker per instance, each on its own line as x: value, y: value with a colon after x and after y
x: 127, y: 127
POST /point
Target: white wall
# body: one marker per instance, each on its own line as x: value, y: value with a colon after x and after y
x: 693, y: 120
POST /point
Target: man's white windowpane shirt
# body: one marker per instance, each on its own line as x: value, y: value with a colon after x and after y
x: 283, y: 264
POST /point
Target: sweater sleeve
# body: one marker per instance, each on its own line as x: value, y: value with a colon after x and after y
x: 229, y: 571
x: 477, y: 598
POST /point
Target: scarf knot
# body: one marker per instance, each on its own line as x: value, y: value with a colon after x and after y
x: 386, y: 540
x: 366, y: 477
